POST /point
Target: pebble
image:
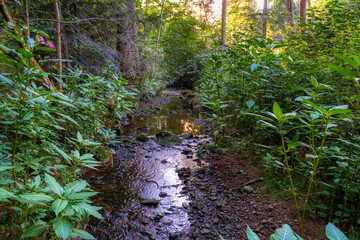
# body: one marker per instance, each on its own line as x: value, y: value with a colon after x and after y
x: 163, y: 194
x: 168, y: 221
x: 248, y: 189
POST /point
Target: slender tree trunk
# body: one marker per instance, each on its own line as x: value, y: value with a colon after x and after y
x: 290, y: 12
x: 223, y: 22
x: 58, y: 41
x: 265, y: 18
x: 26, y: 17
x: 312, y: 11
x: 8, y: 18
x: 303, y: 11
x: 160, y: 27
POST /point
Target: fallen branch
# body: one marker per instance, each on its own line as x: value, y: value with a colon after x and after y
x: 256, y: 180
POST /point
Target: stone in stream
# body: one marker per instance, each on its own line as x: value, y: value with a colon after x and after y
x: 186, y: 135
x: 187, y: 151
x: 163, y: 134
x: 149, y: 202
x: 163, y: 194
x: 163, y: 161
x: 248, y: 189
x: 168, y: 221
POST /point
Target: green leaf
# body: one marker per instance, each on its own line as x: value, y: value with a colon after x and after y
x: 253, y: 67
x: 250, y: 234
x: 30, y: 42
x: 82, y: 195
x: 86, y: 209
x: 75, y: 187
x: 339, y: 110
x: 62, y: 227
x: 250, y: 103
x: 342, y: 70
x: 37, y: 197
x: 27, y: 116
x: 5, y: 168
x: 283, y: 233
x: 59, y: 205
x: 277, y: 111
x: 53, y: 185
x: 83, y: 234
x: 333, y: 233
x: 5, y: 80
x: 314, y: 82
x: 35, y: 230
x: 5, y: 194
x: 348, y: 60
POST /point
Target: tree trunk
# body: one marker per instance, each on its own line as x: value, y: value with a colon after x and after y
x: 160, y: 27
x: 58, y: 42
x: 290, y: 12
x: 265, y: 18
x: 8, y: 18
x: 223, y: 22
x: 26, y: 17
x: 312, y: 11
x: 127, y: 41
x: 303, y: 11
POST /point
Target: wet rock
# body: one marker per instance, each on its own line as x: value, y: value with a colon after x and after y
x: 173, y: 236
x: 216, y: 220
x: 150, y: 202
x: 238, y: 226
x: 186, y: 151
x: 247, y: 189
x: 164, y: 161
x: 189, y: 156
x: 158, y: 217
x: 205, y: 231
x: 229, y: 227
x: 145, y: 221
x: 163, y: 194
x: 201, y: 176
x: 186, y: 135
x: 213, y: 198
x: 168, y: 221
x: 120, y: 215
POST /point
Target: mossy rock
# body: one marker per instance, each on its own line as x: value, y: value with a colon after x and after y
x: 163, y: 134
x: 142, y: 137
x: 201, y: 170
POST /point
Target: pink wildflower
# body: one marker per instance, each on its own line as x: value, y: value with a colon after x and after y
x: 80, y: 71
x: 234, y: 40
x: 259, y: 59
x: 259, y: 39
x: 265, y: 41
x: 51, y: 45
x: 211, y: 40
x: 259, y: 30
x: 253, y: 59
x: 216, y: 39
x: 42, y: 41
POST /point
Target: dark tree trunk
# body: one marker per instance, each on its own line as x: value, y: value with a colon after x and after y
x: 58, y: 41
x: 290, y: 12
x: 303, y: 11
x: 127, y: 41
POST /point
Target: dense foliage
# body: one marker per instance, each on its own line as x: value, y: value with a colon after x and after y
x: 299, y: 97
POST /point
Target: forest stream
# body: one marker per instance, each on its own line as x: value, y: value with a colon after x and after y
x: 142, y: 195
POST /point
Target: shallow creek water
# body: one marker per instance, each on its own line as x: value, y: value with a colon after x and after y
x: 147, y: 170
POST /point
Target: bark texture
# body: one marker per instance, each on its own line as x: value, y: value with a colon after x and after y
x: 127, y: 41
x: 58, y: 41
x: 303, y: 11
x: 290, y: 12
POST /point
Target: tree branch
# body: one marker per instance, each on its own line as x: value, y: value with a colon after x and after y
x: 77, y: 21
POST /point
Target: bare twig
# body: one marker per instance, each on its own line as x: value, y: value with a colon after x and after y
x: 77, y: 21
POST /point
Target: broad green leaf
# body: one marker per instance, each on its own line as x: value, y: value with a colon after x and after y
x: 339, y: 110
x: 5, y: 80
x: 75, y: 187
x: 333, y: 233
x: 4, y: 168
x: 27, y: 116
x: 250, y: 103
x: 277, y: 111
x: 253, y: 67
x: 5, y: 194
x: 59, y: 205
x: 83, y: 234
x: 62, y: 227
x: 37, y: 197
x: 82, y: 195
x: 35, y: 230
x: 30, y: 42
x: 342, y: 70
x: 314, y: 82
x: 86, y: 209
x: 53, y: 185
x: 283, y: 233
x: 250, y: 234
x: 348, y: 61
